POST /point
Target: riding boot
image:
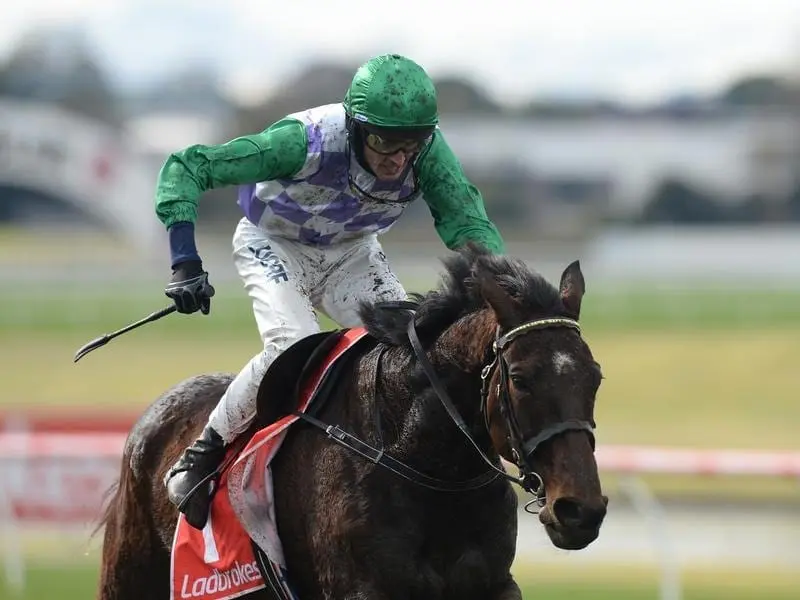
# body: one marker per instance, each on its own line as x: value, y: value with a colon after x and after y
x: 189, y: 481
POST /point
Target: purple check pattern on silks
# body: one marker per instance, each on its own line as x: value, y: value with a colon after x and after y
x: 318, y: 207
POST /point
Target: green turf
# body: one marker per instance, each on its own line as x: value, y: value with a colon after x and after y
x: 612, y: 583
x: 97, y: 308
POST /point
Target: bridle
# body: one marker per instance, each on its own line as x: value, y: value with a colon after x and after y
x: 521, y: 449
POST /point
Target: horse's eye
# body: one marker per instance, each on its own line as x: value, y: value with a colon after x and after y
x: 519, y: 381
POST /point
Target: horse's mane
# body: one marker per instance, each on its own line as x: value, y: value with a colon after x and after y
x: 458, y: 294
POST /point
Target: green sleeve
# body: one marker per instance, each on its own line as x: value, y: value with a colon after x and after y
x: 456, y: 205
x: 278, y: 151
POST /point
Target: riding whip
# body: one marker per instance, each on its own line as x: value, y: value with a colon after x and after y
x: 104, y: 339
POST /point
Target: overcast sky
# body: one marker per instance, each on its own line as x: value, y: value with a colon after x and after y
x: 635, y: 50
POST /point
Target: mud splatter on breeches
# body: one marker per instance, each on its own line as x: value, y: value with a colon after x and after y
x: 286, y: 281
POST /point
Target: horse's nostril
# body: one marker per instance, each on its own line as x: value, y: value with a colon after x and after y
x: 570, y: 512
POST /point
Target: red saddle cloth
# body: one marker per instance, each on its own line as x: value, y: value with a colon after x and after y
x: 220, y: 562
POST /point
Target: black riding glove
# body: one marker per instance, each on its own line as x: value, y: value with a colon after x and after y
x: 189, y: 288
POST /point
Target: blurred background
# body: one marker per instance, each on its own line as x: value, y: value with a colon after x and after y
x: 658, y: 142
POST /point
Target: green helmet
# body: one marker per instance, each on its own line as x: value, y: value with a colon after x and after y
x: 392, y: 92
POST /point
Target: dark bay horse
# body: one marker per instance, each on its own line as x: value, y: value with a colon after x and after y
x: 491, y: 364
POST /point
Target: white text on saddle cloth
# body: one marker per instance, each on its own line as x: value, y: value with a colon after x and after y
x: 250, y: 477
x: 217, y: 563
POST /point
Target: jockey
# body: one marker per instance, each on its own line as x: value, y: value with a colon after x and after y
x: 316, y: 188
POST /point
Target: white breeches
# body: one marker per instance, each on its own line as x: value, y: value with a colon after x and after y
x: 286, y: 281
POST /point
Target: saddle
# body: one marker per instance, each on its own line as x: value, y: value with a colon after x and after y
x: 279, y: 390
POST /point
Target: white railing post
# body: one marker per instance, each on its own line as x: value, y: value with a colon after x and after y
x: 647, y: 505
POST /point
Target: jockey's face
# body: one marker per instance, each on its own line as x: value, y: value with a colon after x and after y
x: 387, y: 167
x: 389, y: 159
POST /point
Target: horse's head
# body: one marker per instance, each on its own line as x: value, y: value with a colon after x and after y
x: 539, y: 394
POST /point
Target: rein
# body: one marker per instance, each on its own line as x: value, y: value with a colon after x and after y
x: 376, y: 454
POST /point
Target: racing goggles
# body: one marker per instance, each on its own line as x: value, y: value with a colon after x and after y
x: 388, y: 147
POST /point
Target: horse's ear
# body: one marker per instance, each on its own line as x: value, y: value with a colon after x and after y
x: 572, y: 288
x: 505, y: 307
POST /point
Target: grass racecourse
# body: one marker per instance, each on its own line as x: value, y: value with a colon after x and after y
x: 704, y: 369
x: 77, y: 581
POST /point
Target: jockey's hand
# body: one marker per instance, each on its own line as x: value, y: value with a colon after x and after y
x: 189, y: 288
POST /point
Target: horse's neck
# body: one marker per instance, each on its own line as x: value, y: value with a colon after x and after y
x: 457, y: 357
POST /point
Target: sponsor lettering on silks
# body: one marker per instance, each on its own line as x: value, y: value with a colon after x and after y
x: 220, y: 581
x: 270, y: 261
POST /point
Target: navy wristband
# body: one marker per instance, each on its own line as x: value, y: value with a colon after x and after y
x: 181, y: 243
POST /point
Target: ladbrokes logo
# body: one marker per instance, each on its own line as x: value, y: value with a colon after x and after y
x: 233, y: 579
